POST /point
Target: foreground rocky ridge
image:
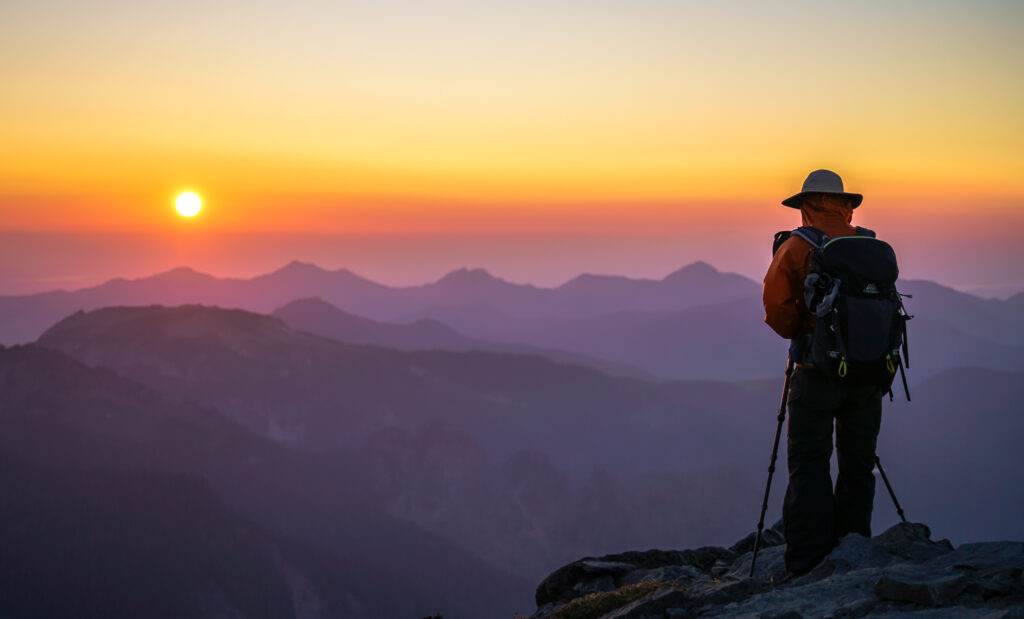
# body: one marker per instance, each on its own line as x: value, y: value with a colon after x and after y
x: 901, y: 572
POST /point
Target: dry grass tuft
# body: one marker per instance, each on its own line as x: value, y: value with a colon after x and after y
x: 597, y: 604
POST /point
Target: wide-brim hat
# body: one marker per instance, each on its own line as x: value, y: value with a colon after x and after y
x: 823, y: 181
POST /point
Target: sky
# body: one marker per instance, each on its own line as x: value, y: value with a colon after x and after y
x: 536, y: 139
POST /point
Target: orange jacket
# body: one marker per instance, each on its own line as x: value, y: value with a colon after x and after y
x: 784, y: 282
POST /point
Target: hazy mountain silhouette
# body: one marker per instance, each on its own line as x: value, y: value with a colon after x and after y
x: 62, y: 413
x: 729, y: 341
x: 59, y: 413
x: 696, y: 284
x: 476, y: 286
x: 321, y: 394
x: 997, y: 321
x: 535, y: 461
x: 467, y: 291
x: 955, y: 469
x: 527, y: 515
x: 954, y: 454
x: 321, y: 318
x: 696, y: 323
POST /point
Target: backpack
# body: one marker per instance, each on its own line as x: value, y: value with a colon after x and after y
x: 860, y: 325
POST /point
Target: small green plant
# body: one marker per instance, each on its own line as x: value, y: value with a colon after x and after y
x: 597, y: 604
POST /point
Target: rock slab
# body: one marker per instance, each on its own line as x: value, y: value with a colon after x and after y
x: 901, y: 572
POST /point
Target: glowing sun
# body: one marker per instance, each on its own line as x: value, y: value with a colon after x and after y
x: 188, y: 204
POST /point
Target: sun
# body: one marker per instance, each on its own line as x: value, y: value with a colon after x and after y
x: 188, y: 204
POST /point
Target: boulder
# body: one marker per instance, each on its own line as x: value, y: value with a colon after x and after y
x: 901, y: 572
x: 924, y: 590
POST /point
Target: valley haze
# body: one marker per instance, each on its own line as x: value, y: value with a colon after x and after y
x: 372, y: 433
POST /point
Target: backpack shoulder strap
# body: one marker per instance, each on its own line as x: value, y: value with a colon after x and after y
x: 865, y: 232
x: 780, y: 238
x: 812, y: 235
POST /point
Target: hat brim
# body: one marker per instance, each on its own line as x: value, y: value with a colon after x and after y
x: 795, y: 201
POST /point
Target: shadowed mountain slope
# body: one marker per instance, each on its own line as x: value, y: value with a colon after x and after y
x: 993, y: 320
x: 953, y: 454
x: 321, y: 394
x: 525, y: 514
x: 730, y: 341
x: 56, y: 412
x: 321, y: 318
x: 577, y: 419
x: 515, y: 514
x: 133, y: 544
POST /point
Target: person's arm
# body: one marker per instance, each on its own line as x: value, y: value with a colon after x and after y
x: 783, y: 288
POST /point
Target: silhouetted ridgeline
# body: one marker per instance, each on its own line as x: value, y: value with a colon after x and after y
x: 315, y: 315
x: 470, y: 292
x: 457, y: 477
x: 696, y: 323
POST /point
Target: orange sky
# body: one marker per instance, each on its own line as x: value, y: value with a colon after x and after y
x: 461, y: 118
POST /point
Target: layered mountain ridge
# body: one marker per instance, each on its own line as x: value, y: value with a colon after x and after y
x: 340, y: 441
x: 695, y: 323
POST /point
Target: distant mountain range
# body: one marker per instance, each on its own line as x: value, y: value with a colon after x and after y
x: 696, y: 323
x: 371, y: 467
x: 23, y: 318
x: 320, y: 394
x: 726, y: 341
x: 317, y: 316
x: 362, y: 435
x: 954, y: 456
x: 729, y: 341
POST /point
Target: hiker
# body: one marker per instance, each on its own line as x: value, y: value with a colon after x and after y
x: 816, y: 515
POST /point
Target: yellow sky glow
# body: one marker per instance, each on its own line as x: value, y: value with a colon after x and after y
x: 406, y: 117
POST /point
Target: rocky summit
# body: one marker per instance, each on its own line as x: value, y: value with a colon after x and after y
x: 900, y: 573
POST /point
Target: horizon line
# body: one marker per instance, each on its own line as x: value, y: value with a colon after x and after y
x: 464, y: 269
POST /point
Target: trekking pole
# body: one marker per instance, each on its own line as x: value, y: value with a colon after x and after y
x: 899, y: 510
x: 771, y: 464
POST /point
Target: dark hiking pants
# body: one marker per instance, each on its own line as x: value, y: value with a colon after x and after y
x: 814, y: 514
